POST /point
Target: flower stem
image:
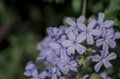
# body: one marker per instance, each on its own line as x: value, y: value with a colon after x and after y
x: 84, y: 7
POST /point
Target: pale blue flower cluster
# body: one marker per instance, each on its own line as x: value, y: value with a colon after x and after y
x: 63, y: 48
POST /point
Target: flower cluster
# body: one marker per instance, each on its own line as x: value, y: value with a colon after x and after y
x: 66, y: 51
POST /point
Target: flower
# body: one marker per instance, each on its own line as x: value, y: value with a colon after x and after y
x: 89, y: 31
x: 105, y: 76
x: 103, y: 24
x: 66, y: 64
x: 54, y: 73
x: 73, y: 25
x: 73, y: 43
x: 32, y: 71
x: 103, y: 59
x: 107, y: 39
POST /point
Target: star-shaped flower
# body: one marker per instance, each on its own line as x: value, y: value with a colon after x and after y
x: 107, y: 40
x: 73, y: 25
x: 104, y: 24
x: 105, y: 76
x: 89, y: 31
x: 73, y: 43
x: 103, y: 59
x: 66, y: 64
x: 54, y: 73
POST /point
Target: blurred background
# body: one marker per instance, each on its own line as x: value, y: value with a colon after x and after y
x: 23, y: 24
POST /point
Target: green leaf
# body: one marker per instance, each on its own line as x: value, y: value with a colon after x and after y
x: 95, y: 76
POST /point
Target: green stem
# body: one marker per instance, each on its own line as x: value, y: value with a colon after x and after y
x: 84, y: 7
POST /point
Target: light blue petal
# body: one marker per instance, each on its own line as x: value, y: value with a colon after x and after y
x: 70, y: 21
x: 117, y: 35
x: 96, y: 58
x: 90, y: 40
x: 101, y: 17
x: 71, y: 36
x: 92, y: 24
x: 98, y: 66
x: 80, y: 49
x: 107, y: 64
x: 112, y: 43
x: 108, y: 23
x: 81, y: 19
x: 81, y: 26
x: 67, y: 43
x: 81, y: 37
x: 54, y: 77
x: 99, y: 42
x: 71, y: 50
x: 111, y: 56
x: 96, y: 32
x: 54, y: 45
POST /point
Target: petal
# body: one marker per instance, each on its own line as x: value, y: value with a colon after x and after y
x: 111, y: 56
x: 96, y: 58
x: 117, y: 35
x: 73, y: 64
x: 85, y: 76
x: 112, y: 43
x: 54, y: 45
x: 70, y: 21
x: 71, y: 36
x: 90, y: 19
x: 99, y: 42
x: 91, y: 24
x: 81, y: 19
x: 81, y: 26
x: 90, y: 39
x: 96, y: 32
x: 54, y: 77
x: 101, y: 17
x: 34, y: 73
x: 98, y: 66
x: 81, y: 37
x: 69, y: 29
x: 65, y: 70
x: 104, y: 53
x: 73, y: 68
x: 107, y: 64
x: 108, y: 23
x: 105, y: 46
x: 80, y: 49
x: 67, y: 43
x: 71, y: 50
x: 43, y: 74
x: 27, y: 73
x: 110, y: 33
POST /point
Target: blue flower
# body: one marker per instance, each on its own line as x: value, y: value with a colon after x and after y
x: 73, y: 43
x: 89, y: 31
x: 103, y: 59
x: 105, y: 76
x: 104, y: 24
x: 31, y: 71
x: 54, y: 73
x: 66, y: 64
x: 73, y: 25
x: 107, y: 39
